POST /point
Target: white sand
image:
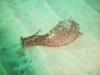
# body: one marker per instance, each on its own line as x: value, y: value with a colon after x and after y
x: 82, y: 57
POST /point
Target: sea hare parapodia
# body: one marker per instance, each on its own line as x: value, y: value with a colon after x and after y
x: 62, y: 34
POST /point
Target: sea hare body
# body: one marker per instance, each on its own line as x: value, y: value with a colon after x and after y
x: 63, y: 34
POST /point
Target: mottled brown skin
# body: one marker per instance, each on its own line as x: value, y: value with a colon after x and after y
x: 54, y: 42
x: 62, y: 35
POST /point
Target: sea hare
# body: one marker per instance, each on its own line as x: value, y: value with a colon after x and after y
x: 62, y: 34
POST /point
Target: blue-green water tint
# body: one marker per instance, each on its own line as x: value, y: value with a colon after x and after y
x: 2, y: 70
x: 94, y: 4
x: 23, y: 18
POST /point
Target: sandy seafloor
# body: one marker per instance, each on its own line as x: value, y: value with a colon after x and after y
x: 24, y: 17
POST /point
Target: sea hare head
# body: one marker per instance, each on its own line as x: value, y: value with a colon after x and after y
x: 31, y: 40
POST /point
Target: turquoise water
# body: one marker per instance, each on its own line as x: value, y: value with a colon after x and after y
x: 24, y: 17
